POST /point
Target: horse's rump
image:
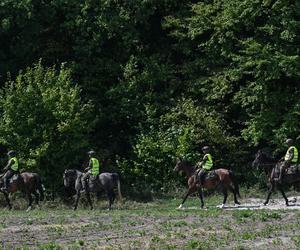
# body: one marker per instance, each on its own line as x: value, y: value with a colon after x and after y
x: 223, y: 174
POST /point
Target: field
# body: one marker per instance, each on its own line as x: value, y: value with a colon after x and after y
x: 153, y: 225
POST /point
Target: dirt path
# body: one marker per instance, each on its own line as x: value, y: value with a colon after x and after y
x: 256, y: 204
x: 156, y: 225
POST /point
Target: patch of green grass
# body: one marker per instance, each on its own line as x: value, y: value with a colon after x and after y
x: 49, y: 246
x: 296, y: 240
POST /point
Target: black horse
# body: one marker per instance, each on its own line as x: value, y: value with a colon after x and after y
x: 104, y: 181
x: 272, y: 170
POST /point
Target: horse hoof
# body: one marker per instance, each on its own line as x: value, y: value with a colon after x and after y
x: 221, y: 206
x: 180, y: 206
x: 237, y: 204
x: 75, y: 208
x: 287, y: 204
x: 265, y: 204
x: 28, y: 209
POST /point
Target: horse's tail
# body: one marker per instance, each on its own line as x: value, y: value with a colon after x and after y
x: 235, y: 182
x: 116, y: 179
x: 40, y: 187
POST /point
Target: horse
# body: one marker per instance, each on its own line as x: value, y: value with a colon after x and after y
x: 223, y: 179
x: 26, y: 182
x: 272, y: 170
x: 106, y: 181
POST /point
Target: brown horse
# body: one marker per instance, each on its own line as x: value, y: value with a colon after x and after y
x: 28, y: 183
x: 223, y: 179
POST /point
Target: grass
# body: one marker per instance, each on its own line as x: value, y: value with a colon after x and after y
x: 153, y: 225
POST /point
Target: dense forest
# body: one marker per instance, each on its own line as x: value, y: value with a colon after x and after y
x: 144, y: 82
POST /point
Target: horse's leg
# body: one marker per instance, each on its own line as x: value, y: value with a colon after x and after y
x: 7, y: 200
x: 225, y: 194
x: 284, y: 196
x: 190, y: 191
x: 200, y: 193
x: 110, y: 195
x: 88, y: 196
x: 77, y: 199
x: 236, y: 202
x: 37, y: 197
x: 113, y: 196
x: 269, y: 194
x: 29, y: 201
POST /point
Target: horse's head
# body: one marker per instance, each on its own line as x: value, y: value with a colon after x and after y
x: 69, y: 177
x: 180, y: 165
x: 262, y: 158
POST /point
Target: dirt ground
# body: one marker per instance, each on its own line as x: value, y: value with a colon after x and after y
x: 155, y: 225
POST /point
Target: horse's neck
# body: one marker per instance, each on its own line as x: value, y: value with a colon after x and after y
x: 189, y: 170
x: 269, y: 165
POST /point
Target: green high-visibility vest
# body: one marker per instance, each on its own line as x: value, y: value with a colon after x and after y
x: 95, y: 166
x: 295, y: 158
x: 15, y: 166
x: 209, y: 162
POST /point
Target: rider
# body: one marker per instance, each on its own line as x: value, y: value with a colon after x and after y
x: 290, y: 158
x: 92, y: 169
x: 206, y: 164
x: 11, y: 168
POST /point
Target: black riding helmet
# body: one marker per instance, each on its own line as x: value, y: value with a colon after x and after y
x: 91, y: 152
x: 205, y: 149
x: 289, y: 142
x: 11, y: 153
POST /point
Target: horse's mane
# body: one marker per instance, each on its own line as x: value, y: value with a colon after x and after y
x: 73, y: 171
x: 268, y: 154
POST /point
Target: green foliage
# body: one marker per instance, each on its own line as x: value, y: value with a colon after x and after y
x: 44, y: 119
x: 181, y: 132
x: 165, y: 77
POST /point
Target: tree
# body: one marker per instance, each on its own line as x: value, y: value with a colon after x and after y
x: 44, y: 119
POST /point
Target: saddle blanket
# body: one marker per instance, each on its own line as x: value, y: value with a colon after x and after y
x: 293, y: 169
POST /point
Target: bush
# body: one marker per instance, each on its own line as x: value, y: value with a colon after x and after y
x: 44, y: 119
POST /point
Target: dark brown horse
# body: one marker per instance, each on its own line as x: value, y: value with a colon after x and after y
x: 28, y: 183
x: 223, y: 179
x: 271, y: 168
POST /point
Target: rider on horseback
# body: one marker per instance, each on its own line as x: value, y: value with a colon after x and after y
x: 290, y: 158
x: 92, y: 169
x: 11, y: 168
x: 204, y: 166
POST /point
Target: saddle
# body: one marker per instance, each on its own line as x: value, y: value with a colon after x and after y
x: 15, y: 178
x: 211, y: 175
x: 294, y: 169
x: 93, y: 182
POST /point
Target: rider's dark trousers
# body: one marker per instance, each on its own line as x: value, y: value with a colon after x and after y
x: 7, y: 176
x: 283, y: 167
x: 84, y: 179
x: 202, y: 175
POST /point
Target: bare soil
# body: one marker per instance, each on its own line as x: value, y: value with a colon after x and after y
x: 156, y: 225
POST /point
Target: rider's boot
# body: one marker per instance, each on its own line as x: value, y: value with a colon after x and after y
x: 84, y: 186
x: 5, y: 184
x: 196, y: 176
x: 280, y: 176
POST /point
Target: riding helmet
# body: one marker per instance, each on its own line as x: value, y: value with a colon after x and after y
x: 11, y: 153
x: 205, y: 148
x: 289, y: 141
x: 91, y: 152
